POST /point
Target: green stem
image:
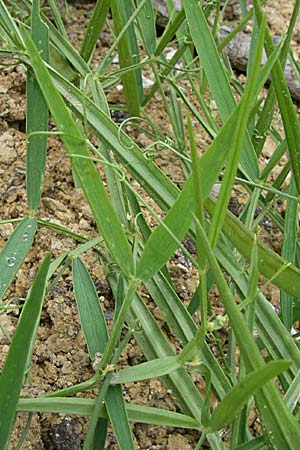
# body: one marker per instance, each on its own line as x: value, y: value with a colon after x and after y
x: 96, y: 413
x: 116, y: 332
x: 80, y: 387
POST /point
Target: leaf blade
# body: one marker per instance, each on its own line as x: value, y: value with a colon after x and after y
x: 36, y: 116
x: 90, y: 312
x: 150, y: 369
x: 15, y: 250
x: 234, y: 401
x: 105, y: 216
x: 15, y: 365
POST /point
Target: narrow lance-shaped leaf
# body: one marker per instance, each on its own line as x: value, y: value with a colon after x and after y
x: 216, y: 76
x: 151, y: 369
x: 100, y: 434
x: 37, y: 116
x: 146, y: 23
x: 283, y: 430
x: 291, y: 396
x: 118, y: 417
x: 237, y: 141
x: 170, y: 31
x: 92, y: 185
x: 15, y: 250
x: 84, y: 407
x: 164, y: 192
x: 270, y: 264
x: 112, y: 176
x: 178, y: 381
x: 57, y: 17
x: 63, y: 56
x: 273, y: 333
x: 90, y: 312
x: 125, y: 149
x: 264, y: 121
x: 287, y: 110
x: 15, y: 365
x: 234, y: 401
x: 9, y: 28
x: 164, y: 240
x: 94, y: 27
x: 289, y: 251
x: 253, y: 273
x: 128, y: 56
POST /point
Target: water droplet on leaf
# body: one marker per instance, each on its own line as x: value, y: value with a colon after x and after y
x: 25, y: 236
x: 10, y: 261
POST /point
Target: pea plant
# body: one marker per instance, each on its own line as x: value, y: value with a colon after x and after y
x: 64, y: 83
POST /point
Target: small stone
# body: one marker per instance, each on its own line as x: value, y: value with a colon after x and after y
x: 8, y: 152
x: 64, y: 436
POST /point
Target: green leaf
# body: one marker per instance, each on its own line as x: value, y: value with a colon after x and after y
x: 15, y: 365
x: 164, y: 192
x: 274, y: 335
x: 85, y: 406
x: 181, y: 323
x: 113, y: 180
x: 291, y: 396
x: 95, y: 25
x: 125, y: 149
x: 254, y: 444
x: 154, y: 344
x: 253, y: 273
x: 162, y: 417
x: 128, y: 56
x: 283, y: 430
x: 118, y: 416
x: 57, y: 18
x: 164, y: 240
x: 170, y: 30
x: 36, y: 116
x: 234, y: 401
x: 287, y: 110
x: 289, y: 250
x: 216, y: 76
x: 92, y: 185
x: 100, y: 434
x: 15, y: 250
x: 237, y: 141
x: 90, y: 312
x: 270, y: 264
x: 9, y: 28
x: 150, y: 369
x: 146, y: 23
x: 63, y: 56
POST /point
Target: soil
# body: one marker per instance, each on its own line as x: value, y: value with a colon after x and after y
x: 60, y: 356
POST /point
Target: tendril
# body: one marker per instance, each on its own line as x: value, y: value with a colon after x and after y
x: 125, y: 122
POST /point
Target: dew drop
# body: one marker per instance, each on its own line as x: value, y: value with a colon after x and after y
x: 10, y: 261
x: 29, y: 225
x: 25, y: 236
